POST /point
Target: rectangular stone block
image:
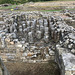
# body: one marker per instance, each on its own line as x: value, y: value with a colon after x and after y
x: 68, y: 73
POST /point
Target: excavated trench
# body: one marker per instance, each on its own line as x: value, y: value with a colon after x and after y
x: 36, y: 33
x: 32, y: 43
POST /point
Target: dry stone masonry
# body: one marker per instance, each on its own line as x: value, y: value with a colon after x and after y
x: 33, y: 37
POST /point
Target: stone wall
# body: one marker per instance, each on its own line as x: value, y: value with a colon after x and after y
x: 3, y: 69
x: 0, y: 71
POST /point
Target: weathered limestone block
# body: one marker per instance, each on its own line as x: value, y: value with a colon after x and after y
x: 40, y: 22
x: 52, y: 53
x: 33, y: 29
x: 52, y: 19
x: 20, y: 28
x: 73, y: 72
x: 52, y: 34
x: 58, y: 36
x: 25, y: 34
x: 70, y: 21
x: 30, y: 37
x: 55, y: 36
x: 68, y: 73
x: 14, y: 18
x: 34, y: 24
x: 42, y: 30
x: 42, y: 54
x: 73, y: 51
x: 66, y: 42
x: 38, y: 34
x: 11, y: 29
x: 72, y: 35
x: 18, y: 53
x: 13, y: 35
x: 24, y: 25
x: 18, y: 45
x: 69, y: 63
x: 47, y: 57
x: 46, y: 38
x: 15, y: 31
x: 28, y: 23
x: 23, y: 17
x: 70, y: 46
x: 29, y: 29
x: 0, y: 71
x: 8, y: 29
x: 37, y: 27
x: 18, y: 18
x: 46, y: 35
x: 46, y: 29
x: 45, y: 23
x: 3, y: 42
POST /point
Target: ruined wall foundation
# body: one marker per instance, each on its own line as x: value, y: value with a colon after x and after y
x: 33, y: 37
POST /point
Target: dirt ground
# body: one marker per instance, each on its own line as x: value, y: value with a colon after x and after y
x: 33, y: 68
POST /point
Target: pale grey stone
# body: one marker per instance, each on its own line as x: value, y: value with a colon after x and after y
x: 30, y: 35
x: 38, y: 34
x: 73, y: 50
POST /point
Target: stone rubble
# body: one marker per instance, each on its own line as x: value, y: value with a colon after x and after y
x: 37, y: 37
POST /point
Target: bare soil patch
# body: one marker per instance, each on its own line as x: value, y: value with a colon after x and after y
x: 33, y: 68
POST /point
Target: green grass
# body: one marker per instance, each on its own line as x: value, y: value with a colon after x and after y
x: 51, y: 10
x: 71, y: 9
x: 64, y: 0
x: 54, y: 1
x: 9, y: 7
x: 55, y: 10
